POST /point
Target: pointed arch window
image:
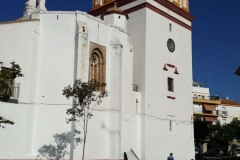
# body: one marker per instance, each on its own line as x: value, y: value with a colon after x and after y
x: 97, y: 65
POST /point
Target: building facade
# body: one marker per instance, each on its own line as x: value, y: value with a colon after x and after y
x: 213, y: 108
x: 141, y: 49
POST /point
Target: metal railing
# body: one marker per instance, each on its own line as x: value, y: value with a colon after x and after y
x: 198, y: 110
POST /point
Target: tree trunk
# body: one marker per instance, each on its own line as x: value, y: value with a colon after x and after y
x: 84, y: 131
x: 200, y: 150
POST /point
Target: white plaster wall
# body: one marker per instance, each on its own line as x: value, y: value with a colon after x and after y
x: 58, y: 39
x: 112, y: 134
x: 233, y: 112
x: 21, y: 141
x: 137, y: 29
x: 117, y: 19
x: 56, y: 57
x: 164, y: 9
x: 157, y: 104
x: 59, y: 33
x: 149, y: 33
x: 132, y: 4
x: 125, y: 119
x: 170, y: 12
x: 14, y: 137
x: 137, y: 32
x: 53, y: 69
x: 19, y: 43
x: 200, y: 91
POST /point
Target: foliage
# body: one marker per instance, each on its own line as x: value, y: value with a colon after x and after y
x: 59, y: 150
x: 7, y: 77
x: 235, y: 124
x: 5, y: 121
x: 201, y: 129
x: 83, y: 94
x: 221, y: 136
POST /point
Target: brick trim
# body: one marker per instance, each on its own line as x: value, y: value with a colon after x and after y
x: 170, y: 97
x: 167, y: 4
x: 176, y: 9
x: 104, y: 8
x: 170, y: 65
x: 155, y: 9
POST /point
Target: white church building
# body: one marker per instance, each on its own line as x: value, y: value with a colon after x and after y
x: 142, y: 50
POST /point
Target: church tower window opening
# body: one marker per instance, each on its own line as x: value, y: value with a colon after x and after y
x: 170, y: 84
x: 170, y: 27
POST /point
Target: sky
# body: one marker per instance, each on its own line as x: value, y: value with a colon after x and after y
x: 215, y: 39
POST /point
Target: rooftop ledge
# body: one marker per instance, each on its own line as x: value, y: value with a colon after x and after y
x: 204, y: 114
x: 208, y: 101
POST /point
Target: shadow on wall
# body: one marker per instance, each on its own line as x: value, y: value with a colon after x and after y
x: 112, y: 132
x: 59, y: 149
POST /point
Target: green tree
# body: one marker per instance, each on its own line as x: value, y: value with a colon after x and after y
x: 235, y: 124
x: 201, y: 131
x: 221, y: 136
x: 7, y: 77
x: 83, y: 94
x: 5, y: 121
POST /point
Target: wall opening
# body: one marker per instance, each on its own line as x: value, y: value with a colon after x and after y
x: 170, y: 84
x: 97, y: 63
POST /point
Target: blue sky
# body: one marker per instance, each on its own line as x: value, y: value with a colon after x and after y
x: 216, y: 39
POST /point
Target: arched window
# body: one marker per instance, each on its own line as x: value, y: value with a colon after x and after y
x: 97, y: 66
x: 170, y: 27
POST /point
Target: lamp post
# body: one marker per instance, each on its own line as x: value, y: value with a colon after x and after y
x: 237, y: 72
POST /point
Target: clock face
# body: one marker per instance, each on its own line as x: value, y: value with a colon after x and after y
x: 171, y: 45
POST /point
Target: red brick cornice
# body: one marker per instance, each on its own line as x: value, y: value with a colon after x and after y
x: 175, y: 9
x: 170, y: 65
x: 170, y: 97
x: 167, y: 4
x: 155, y: 9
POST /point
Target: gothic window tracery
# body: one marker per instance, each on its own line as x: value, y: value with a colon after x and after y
x: 97, y: 66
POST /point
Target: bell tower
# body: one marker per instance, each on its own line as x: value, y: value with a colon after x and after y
x: 99, y: 3
x: 34, y: 6
x: 161, y: 35
x: 184, y: 4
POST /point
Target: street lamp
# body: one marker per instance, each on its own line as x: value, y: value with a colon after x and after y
x: 237, y: 72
